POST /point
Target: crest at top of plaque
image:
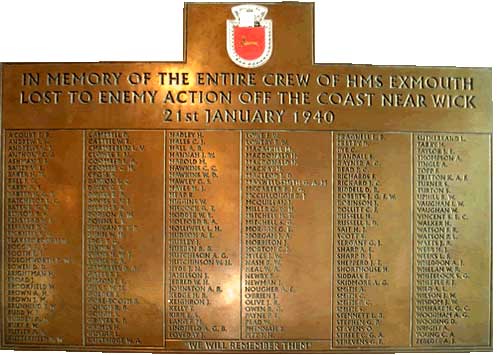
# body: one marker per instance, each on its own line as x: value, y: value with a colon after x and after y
x: 249, y: 36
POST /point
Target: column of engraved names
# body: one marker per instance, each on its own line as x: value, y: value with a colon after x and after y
x: 41, y: 186
x: 286, y: 213
x: 452, y: 261
x: 202, y: 229
x: 372, y: 247
x: 120, y: 175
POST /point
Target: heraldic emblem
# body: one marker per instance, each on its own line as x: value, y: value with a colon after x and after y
x: 249, y: 36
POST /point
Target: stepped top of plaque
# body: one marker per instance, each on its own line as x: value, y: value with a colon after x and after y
x: 266, y: 53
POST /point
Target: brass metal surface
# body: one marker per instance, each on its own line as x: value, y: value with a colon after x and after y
x: 200, y: 206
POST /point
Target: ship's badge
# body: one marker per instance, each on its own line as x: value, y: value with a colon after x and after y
x: 249, y: 36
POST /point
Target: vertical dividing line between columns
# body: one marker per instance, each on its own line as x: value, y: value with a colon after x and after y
x: 164, y: 240
x: 332, y: 246
x: 83, y: 234
x: 241, y: 235
x: 2, y: 211
x: 412, y: 238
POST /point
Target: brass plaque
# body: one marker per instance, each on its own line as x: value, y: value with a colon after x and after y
x: 246, y: 199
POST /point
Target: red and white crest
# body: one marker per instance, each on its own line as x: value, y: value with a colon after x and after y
x: 249, y: 36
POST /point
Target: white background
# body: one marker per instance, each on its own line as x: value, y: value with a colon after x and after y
x: 386, y: 32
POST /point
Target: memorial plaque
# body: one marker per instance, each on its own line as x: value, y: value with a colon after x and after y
x: 246, y: 199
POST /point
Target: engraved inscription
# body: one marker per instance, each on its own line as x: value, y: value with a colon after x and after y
x: 42, y: 184
x: 123, y: 239
x: 450, y: 228
x: 283, y: 197
x: 371, y: 260
x: 203, y: 235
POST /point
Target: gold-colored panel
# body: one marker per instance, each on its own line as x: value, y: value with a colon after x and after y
x: 201, y: 206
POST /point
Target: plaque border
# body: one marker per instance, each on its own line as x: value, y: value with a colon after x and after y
x: 164, y: 348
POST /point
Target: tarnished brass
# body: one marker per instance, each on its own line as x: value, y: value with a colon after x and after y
x: 201, y: 206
